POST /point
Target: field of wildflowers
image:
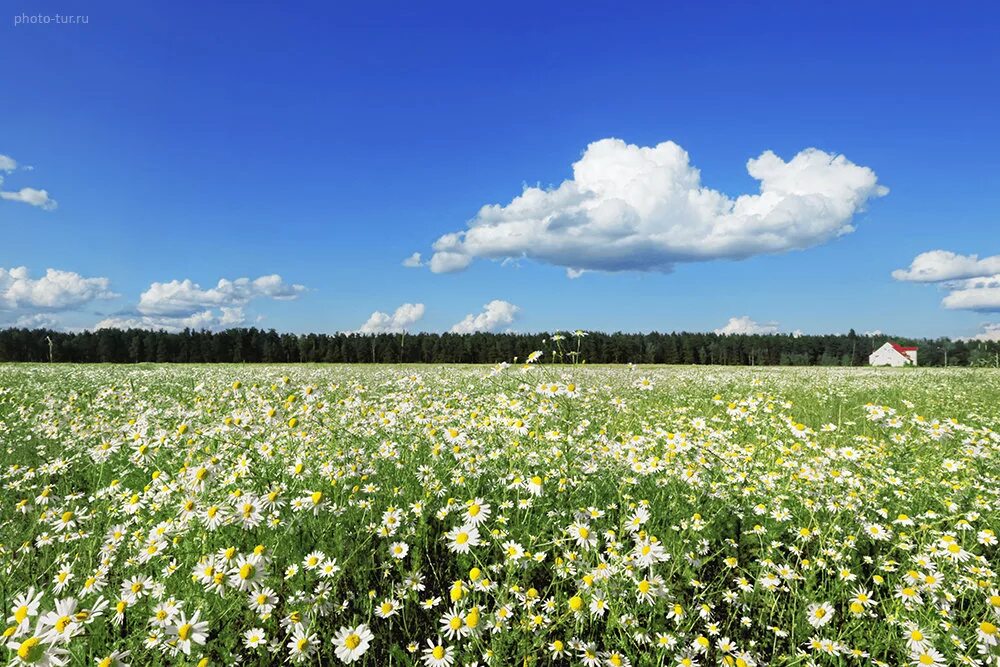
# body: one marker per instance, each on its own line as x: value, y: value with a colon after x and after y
x: 515, y: 515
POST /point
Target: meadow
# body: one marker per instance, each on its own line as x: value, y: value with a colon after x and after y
x: 524, y: 514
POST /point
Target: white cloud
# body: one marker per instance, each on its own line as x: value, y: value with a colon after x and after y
x: 990, y: 333
x: 39, y: 198
x: 981, y: 294
x: 205, y: 319
x: 56, y: 290
x: 745, y: 325
x: 413, y: 261
x: 404, y: 317
x: 940, y: 265
x: 973, y: 283
x: 30, y: 196
x: 181, y: 298
x: 37, y: 321
x: 495, y: 314
x: 876, y: 332
x: 181, y: 304
x: 645, y: 209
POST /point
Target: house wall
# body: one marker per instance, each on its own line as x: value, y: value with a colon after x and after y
x: 886, y: 356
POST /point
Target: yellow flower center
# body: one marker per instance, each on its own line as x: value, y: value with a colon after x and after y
x: 184, y: 631
x: 438, y: 652
x: 30, y: 650
x: 352, y: 641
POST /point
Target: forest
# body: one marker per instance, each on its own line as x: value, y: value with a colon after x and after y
x: 268, y: 346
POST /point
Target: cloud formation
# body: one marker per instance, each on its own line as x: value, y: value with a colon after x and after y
x: 982, y: 294
x: 990, y: 333
x: 56, y: 290
x: 495, y: 314
x: 413, y: 261
x: 30, y: 196
x: 180, y: 298
x: 745, y: 325
x: 182, y: 304
x: 972, y: 283
x: 405, y: 316
x: 940, y: 265
x: 633, y: 208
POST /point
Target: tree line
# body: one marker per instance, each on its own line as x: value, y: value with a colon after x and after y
x: 268, y: 346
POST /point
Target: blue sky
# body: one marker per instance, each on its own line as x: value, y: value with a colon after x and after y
x: 326, y: 143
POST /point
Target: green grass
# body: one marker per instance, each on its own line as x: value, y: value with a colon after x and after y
x: 768, y: 492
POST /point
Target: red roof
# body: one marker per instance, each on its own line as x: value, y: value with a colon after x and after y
x: 903, y: 350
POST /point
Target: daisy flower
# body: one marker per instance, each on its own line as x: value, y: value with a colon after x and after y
x: 438, y: 655
x: 819, y: 614
x: 254, y: 638
x: 351, y: 643
x: 188, y: 631
x: 462, y: 538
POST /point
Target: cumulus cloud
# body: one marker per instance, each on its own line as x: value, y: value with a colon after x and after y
x: 982, y: 294
x: 37, y: 321
x: 495, y: 314
x: 180, y: 298
x: 637, y: 208
x: 413, y: 261
x: 205, y: 319
x: 56, y: 290
x: 745, y: 325
x: 940, y: 265
x: 30, y: 196
x: 183, y: 304
x: 972, y: 283
x: 405, y: 316
x: 990, y: 333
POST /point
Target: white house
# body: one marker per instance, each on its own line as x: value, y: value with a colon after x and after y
x: 892, y: 354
